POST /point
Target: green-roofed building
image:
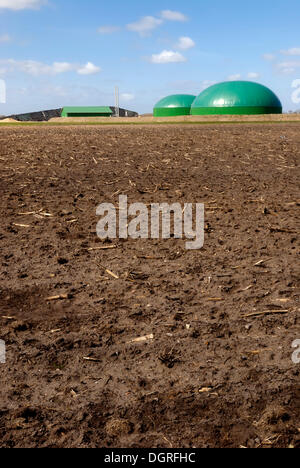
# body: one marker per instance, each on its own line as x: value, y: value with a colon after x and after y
x: 102, y: 111
x: 173, y: 106
x: 238, y: 98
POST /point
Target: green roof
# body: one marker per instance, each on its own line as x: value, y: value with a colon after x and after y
x: 237, y: 97
x: 86, y: 111
x: 176, y: 104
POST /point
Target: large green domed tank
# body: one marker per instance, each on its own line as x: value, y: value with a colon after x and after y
x: 238, y: 98
x: 175, y: 105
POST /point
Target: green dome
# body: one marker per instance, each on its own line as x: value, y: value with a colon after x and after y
x: 237, y: 97
x: 172, y: 106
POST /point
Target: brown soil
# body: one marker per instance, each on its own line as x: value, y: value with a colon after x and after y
x: 211, y: 377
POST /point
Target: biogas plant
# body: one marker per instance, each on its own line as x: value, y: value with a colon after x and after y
x: 240, y: 98
x: 228, y: 98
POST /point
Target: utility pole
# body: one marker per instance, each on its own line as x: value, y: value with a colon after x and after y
x: 117, y: 102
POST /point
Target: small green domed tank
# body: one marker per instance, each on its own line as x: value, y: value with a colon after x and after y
x: 175, y: 105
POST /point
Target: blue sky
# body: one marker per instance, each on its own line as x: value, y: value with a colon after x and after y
x: 74, y: 52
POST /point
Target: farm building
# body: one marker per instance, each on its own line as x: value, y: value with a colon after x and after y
x: 40, y: 116
x: 238, y: 98
x: 102, y: 111
x: 175, y: 105
x: 44, y: 116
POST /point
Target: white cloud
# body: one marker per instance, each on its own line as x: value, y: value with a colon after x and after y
x: 170, y: 15
x: 57, y: 68
x: 288, y: 71
x: 185, y: 43
x: 293, y: 51
x: 34, y: 68
x: 253, y: 76
x: 108, y: 29
x: 127, y: 97
x: 168, y: 56
x: 89, y: 69
x: 21, y: 4
x: 288, y: 68
x: 31, y: 67
x: 5, y: 38
x: 269, y: 57
x: 236, y: 77
x: 145, y: 25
